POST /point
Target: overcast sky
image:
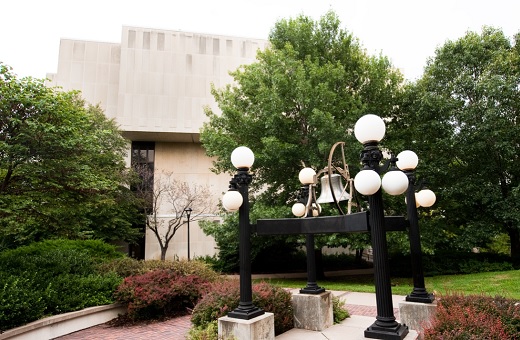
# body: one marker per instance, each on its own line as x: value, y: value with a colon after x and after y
x: 406, y: 31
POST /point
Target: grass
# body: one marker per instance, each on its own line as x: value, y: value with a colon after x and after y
x: 491, y: 283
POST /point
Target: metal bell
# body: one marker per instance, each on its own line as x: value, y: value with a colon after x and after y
x: 326, y: 194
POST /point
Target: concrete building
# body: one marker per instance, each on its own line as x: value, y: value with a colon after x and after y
x: 155, y: 84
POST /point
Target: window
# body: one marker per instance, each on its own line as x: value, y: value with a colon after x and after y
x: 143, y: 158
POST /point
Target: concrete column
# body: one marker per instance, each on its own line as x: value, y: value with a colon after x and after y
x: 313, y: 311
x: 259, y: 328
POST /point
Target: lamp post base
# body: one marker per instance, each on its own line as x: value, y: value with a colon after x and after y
x: 428, y: 298
x: 420, y: 295
x: 397, y: 332
x: 246, y: 313
x: 312, y: 290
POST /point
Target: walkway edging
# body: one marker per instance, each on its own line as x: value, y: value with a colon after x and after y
x: 58, y: 325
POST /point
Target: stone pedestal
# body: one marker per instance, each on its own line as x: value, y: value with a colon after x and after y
x: 313, y: 311
x: 259, y: 328
x: 417, y: 315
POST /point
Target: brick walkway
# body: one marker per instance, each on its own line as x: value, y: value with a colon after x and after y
x: 173, y: 329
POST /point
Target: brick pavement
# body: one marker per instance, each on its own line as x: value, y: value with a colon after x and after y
x: 173, y: 329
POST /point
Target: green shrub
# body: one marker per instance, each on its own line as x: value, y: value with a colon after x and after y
x: 126, y: 267
x: 475, y: 317
x: 18, y: 304
x: 205, y: 332
x: 159, y: 293
x: 223, y: 297
x: 339, y: 311
x: 52, y: 277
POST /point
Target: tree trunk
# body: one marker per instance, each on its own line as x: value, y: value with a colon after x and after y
x: 514, y: 238
x: 163, y: 253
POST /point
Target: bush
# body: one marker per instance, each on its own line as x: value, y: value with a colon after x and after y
x: 159, y: 293
x: 52, y: 277
x: 475, y: 317
x: 126, y: 267
x: 338, y: 310
x: 19, y: 305
x: 223, y: 297
x: 206, y: 332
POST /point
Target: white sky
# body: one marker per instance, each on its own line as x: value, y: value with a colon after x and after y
x: 406, y: 31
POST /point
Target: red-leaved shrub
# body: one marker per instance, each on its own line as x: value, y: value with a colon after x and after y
x: 159, y: 293
x: 475, y: 318
x: 221, y: 298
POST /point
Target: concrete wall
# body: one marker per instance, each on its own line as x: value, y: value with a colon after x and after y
x: 155, y: 83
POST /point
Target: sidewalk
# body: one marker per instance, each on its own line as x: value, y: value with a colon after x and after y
x: 361, y: 306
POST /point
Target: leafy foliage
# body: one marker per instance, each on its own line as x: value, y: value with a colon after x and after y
x: 223, y: 297
x: 475, y: 317
x: 62, y: 168
x: 159, y: 293
x: 461, y: 118
x: 53, y: 277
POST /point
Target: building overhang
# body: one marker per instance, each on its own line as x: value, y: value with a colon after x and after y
x: 174, y: 137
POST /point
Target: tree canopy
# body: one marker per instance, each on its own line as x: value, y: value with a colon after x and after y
x: 304, y: 93
x: 62, y: 168
x: 461, y: 118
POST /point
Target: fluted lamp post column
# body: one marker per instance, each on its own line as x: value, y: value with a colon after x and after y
x: 188, y: 215
x: 237, y: 198
x: 307, y: 177
x: 407, y: 162
x: 369, y: 130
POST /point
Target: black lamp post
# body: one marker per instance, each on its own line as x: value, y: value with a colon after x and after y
x: 309, y: 209
x: 237, y: 198
x: 408, y: 160
x: 188, y: 214
x: 369, y: 130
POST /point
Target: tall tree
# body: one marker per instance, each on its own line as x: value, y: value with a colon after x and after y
x: 304, y: 93
x: 462, y: 118
x: 62, y: 169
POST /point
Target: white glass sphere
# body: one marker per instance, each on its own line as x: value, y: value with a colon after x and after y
x: 232, y: 200
x: 426, y: 198
x: 242, y: 157
x: 407, y: 160
x: 306, y: 176
x: 367, y: 182
x: 369, y: 128
x: 395, y: 182
x: 298, y: 209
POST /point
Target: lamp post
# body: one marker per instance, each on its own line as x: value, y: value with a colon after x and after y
x: 237, y: 198
x: 407, y: 162
x: 309, y: 209
x: 188, y: 214
x: 369, y: 130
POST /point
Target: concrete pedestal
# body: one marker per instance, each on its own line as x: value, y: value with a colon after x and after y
x: 417, y: 315
x: 313, y: 311
x: 259, y: 328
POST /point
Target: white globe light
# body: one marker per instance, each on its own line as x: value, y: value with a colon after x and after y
x: 298, y: 209
x: 407, y: 160
x: 306, y: 176
x: 367, y: 182
x: 395, y: 182
x: 232, y: 200
x: 426, y: 198
x: 369, y: 128
x: 242, y: 157
x: 316, y: 209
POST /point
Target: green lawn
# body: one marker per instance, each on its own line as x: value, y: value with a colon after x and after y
x: 506, y: 284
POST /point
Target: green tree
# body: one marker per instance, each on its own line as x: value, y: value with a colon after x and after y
x: 461, y: 118
x: 62, y: 168
x: 304, y: 93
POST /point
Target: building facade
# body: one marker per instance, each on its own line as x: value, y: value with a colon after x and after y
x: 155, y: 85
